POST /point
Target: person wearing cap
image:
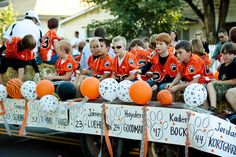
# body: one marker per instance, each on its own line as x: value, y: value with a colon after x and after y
x: 29, y: 25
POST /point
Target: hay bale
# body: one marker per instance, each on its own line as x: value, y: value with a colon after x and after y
x: 29, y: 72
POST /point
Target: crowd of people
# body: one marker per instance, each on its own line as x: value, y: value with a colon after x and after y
x: 163, y: 60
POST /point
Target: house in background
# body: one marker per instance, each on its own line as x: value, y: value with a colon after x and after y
x: 81, y: 21
x: 46, y: 9
x: 85, y: 17
x: 193, y: 19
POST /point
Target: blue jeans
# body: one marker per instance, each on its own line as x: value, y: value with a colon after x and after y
x: 53, y: 60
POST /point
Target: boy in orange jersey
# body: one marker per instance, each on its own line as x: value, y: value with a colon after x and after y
x: 136, y: 47
x: 65, y: 65
x: 19, y: 53
x: 198, y: 49
x: 102, y: 66
x: 47, y: 50
x: 124, y: 62
x: 163, y: 65
x: 191, y: 69
x: 95, y: 50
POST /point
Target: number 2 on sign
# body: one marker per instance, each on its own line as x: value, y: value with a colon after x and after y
x: 78, y: 124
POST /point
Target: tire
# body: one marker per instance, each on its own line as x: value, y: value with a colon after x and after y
x: 91, y: 145
x: 164, y: 150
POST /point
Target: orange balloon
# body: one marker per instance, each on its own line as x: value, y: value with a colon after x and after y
x: 45, y: 87
x: 140, y: 92
x: 13, y: 88
x: 165, y: 97
x: 89, y: 88
x: 216, y: 74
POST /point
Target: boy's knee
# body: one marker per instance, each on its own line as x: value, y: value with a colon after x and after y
x: 230, y: 94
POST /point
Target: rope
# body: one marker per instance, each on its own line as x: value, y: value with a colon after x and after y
x: 3, y: 113
x: 107, y: 139
x: 144, y: 142
x: 22, y: 131
x: 187, y: 143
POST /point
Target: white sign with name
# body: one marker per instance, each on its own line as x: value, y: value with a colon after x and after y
x: 165, y: 125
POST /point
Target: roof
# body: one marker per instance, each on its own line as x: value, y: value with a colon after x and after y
x: 58, y: 8
x: 79, y: 14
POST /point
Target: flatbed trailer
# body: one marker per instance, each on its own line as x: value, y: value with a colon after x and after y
x: 174, y: 125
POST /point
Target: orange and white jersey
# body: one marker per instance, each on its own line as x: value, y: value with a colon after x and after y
x: 141, y: 55
x: 207, y: 62
x: 47, y: 50
x: 123, y: 69
x: 102, y: 66
x: 170, y: 68
x: 69, y: 65
x: 194, y: 68
x: 12, y: 51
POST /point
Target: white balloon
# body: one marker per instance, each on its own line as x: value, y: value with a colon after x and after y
x: 195, y: 94
x: 28, y: 90
x: 107, y: 89
x: 3, y: 93
x: 49, y: 103
x: 123, y: 90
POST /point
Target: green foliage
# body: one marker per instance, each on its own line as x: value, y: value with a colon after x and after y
x: 7, y: 17
x: 140, y: 17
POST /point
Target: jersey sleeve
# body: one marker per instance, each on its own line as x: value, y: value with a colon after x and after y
x: 70, y: 66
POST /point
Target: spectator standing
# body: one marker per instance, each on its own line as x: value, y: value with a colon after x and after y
x: 223, y: 37
x: 199, y: 35
x: 29, y: 25
x: 75, y: 41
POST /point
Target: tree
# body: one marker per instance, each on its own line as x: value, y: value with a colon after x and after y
x: 7, y: 17
x: 207, y: 17
x: 140, y: 17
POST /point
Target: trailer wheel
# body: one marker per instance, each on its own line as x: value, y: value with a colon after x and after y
x: 164, y: 150
x: 91, y: 145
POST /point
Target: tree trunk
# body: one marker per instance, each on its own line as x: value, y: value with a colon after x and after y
x: 223, y: 10
x: 209, y: 20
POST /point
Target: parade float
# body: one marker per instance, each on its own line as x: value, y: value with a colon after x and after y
x: 111, y: 113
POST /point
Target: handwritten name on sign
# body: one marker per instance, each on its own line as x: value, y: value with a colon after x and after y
x: 165, y: 125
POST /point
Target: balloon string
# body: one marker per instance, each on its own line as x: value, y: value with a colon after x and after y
x: 108, y: 142
x: 4, y: 118
x: 2, y: 108
x: 22, y: 131
x: 144, y: 141
x: 187, y: 143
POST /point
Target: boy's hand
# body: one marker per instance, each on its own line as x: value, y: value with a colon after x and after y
x: 36, y: 77
x: 135, y: 71
x: 173, y: 89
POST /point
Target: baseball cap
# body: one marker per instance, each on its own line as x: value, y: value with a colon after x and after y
x: 31, y: 13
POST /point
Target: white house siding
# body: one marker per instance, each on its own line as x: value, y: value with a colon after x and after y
x: 80, y: 23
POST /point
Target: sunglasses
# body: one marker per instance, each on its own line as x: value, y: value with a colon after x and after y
x: 197, y: 34
x: 116, y: 47
x: 221, y: 37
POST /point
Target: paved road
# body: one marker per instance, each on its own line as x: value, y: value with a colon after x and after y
x: 40, y: 143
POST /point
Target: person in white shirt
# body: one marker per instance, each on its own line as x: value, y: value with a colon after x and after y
x: 75, y: 41
x: 29, y: 25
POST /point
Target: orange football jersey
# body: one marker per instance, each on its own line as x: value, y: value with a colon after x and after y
x: 47, y: 50
x: 102, y: 65
x: 12, y: 51
x: 170, y: 68
x: 128, y: 64
x: 68, y: 65
x: 194, y: 67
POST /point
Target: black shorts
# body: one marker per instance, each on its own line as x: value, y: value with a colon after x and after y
x: 14, y: 63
